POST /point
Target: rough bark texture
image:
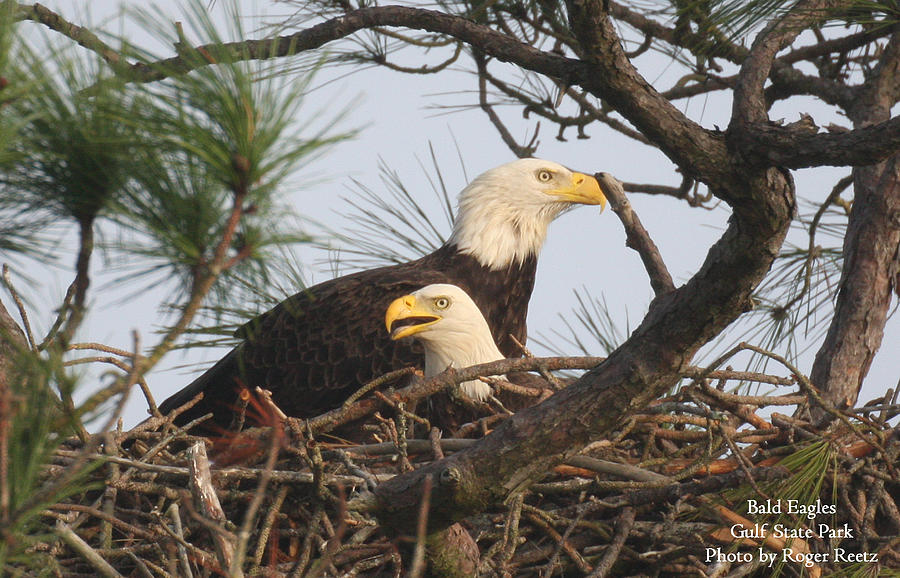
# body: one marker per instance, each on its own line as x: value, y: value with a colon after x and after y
x: 871, y: 245
x: 744, y: 166
x: 12, y: 342
x: 677, y: 324
x: 867, y: 285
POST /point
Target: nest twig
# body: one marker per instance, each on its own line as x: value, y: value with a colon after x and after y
x: 675, y: 485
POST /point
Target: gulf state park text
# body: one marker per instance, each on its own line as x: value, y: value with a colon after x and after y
x: 787, y: 542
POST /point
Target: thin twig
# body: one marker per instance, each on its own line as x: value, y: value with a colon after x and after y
x: 624, y: 524
x: 811, y: 253
x: 637, y: 237
x: 84, y: 549
x: 521, y: 151
x: 511, y: 530
x: 175, y: 515
x: 389, y: 377
x: 20, y: 305
x: 268, y: 524
x: 334, y: 542
x: 101, y: 347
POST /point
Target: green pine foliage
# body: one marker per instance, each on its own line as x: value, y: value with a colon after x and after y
x: 395, y: 227
x: 183, y: 183
x: 34, y: 425
x: 221, y: 142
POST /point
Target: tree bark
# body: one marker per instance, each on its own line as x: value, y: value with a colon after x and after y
x: 12, y: 343
x: 871, y: 252
x: 677, y: 324
x: 529, y: 443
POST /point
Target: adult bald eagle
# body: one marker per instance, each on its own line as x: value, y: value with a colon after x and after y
x: 454, y: 333
x: 314, y: 349
x: 450, y: 327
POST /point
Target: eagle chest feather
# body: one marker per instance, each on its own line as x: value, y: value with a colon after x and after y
x: 316, y: 348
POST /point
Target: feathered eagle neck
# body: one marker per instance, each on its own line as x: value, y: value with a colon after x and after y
x: 463, y: 350
x: 451, y: 328
x: 503, y: 214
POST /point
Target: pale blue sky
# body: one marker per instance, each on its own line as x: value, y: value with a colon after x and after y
x: 396, y: 113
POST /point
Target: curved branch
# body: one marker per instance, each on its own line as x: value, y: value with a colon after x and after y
x: 795, y: 148
x: 749, y: 97
x: 811, y: 253
x: 637, y: 237
x: 609, y: 74
x: 491, y: 42
x: 710, y: 83
x: 381, y: 60
x: 520, y: 151
x: 680, y: 192
x: 602, y: 115
x: 544, y: 108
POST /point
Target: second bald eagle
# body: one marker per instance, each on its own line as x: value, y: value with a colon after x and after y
x: 314, y: 349
x: 452, y: 330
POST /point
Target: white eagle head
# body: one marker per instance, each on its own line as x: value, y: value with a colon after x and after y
x: 503, y: 214
x: 450, y: 327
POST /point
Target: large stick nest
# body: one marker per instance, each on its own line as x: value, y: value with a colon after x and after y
x: 677, y: 490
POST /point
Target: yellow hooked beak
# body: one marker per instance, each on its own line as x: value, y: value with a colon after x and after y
x: 584, y: 190
x: 405, y: 317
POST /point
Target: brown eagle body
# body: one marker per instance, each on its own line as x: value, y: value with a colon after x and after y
x: 316, y: 348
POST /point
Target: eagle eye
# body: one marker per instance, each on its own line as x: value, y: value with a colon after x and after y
x: 441, y: 302
x: 545, y: 176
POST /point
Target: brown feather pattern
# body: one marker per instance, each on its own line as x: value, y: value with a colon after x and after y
x: 316, y: 348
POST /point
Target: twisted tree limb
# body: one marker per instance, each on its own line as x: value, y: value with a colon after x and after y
x: 871, y: 250
x: 678, y: 323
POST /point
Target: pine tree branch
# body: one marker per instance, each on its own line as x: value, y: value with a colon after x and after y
x: 42, y: 15
x: 637, y: 237
x: 495, y: 44
x: 796, y: 147
x: 749, y: 98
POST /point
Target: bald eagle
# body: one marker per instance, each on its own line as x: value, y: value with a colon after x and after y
x: 314, y: 349
x: 454, y: 333
x: 450, y: 327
